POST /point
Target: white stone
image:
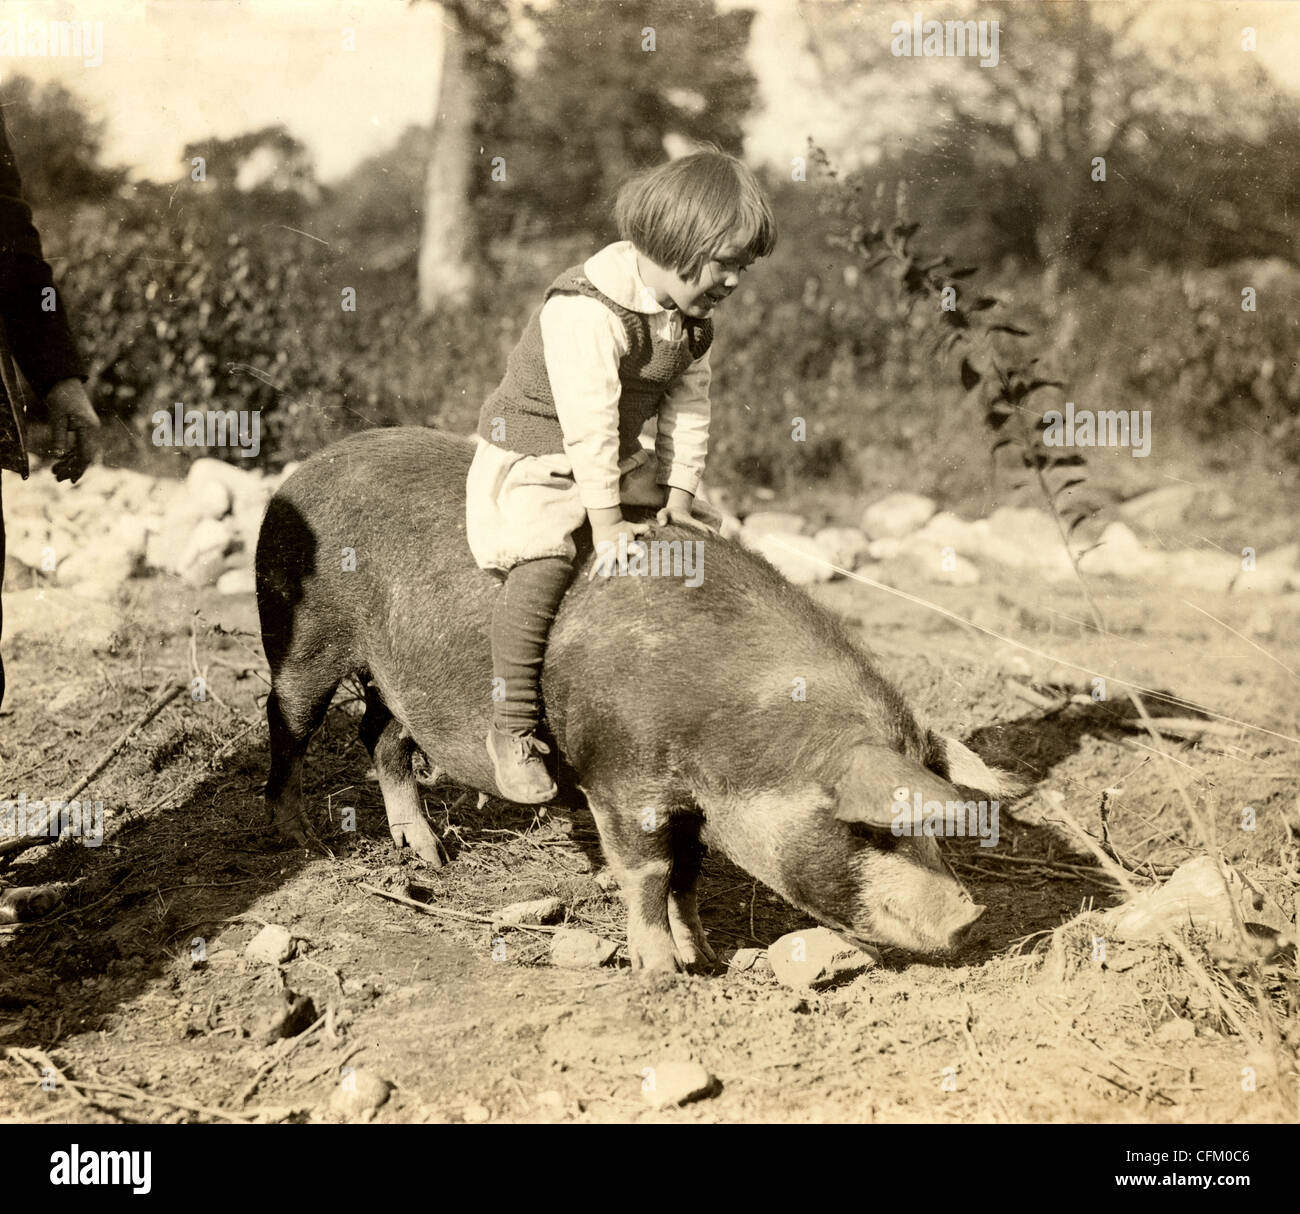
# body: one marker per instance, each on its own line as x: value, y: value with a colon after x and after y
x: 273, y: 945
x: 1162, y: 509
x: 775, y: 522
x: 847, y: 547
x: 236, y: 581
x: 816, y: 957
x: 896, y: 514
x: 573, y: 949
x: 541, y: 910
x: 667, y: 1084
x: 798, y: 558
x: 1120, y: 554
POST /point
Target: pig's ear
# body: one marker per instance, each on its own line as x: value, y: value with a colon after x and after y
x: 880, y: 788
x: 964, y: 768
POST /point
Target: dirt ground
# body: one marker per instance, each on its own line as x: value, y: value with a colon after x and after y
x: 471, y: 1023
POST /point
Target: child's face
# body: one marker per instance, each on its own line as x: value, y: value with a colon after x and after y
x: 718, y: 278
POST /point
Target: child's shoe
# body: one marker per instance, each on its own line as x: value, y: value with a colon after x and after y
x: 521, y: 775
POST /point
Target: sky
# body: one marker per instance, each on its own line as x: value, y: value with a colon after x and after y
x: 175, y: 71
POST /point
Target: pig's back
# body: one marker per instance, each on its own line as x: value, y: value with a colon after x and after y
x: 414, y: 612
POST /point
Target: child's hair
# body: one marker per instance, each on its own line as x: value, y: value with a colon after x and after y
x: 679, y: 213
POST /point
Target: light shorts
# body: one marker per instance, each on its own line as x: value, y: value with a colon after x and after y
x: 522, y: 507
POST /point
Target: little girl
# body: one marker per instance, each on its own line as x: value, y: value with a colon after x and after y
x: 620, y: 339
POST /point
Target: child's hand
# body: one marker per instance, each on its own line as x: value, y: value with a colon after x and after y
x: 614, y: 542
x: 683, y: 518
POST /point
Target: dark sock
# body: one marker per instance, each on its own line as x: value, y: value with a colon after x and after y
x: 521, y: 621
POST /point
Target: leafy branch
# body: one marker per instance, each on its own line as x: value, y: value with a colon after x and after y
x: 989, y: 352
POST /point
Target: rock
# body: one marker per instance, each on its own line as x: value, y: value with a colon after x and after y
x: 939, y: 564
x: 574, y: 949
x: 203, y: 558
x: 1221, y: 507
x: 1175, y: 1030
x: 273, y: 944
x: 885, y: 549
x: 674, y: 1083
x: 749, y: 961
x: 476, y: 1114
x: 359, y: 1093
x: 1260, y: 624
x: 209, y: 499
x: 1275, y: 572
x: 1200, y: 569
x: 211, y: 485
x: 550, y: 1099
x: 166, y: 547
x: 236, y: 581
x: 798, y: 558
x: 947, y: 530
x: 1161, y: 509
x: 731, y: 525
x: 954, y: 571
x: 1024, y: 538
x: 1121, y: 554
x: 774, y: 522
x: 543, y: 910
x: 100, y: 563
x: 846, y: 547
x: 897, y: 515
x: 816, y: 957
x: 1193, y: 896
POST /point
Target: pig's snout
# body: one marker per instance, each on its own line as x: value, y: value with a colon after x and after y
x: 913, y: 901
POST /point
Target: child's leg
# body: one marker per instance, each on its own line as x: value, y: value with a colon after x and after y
x: 521, y: 620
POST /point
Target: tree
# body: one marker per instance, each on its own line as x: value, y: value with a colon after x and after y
x: 1150, y: 95
x: 613, y: 84
x: 57, y: 145
x: 474, y: 89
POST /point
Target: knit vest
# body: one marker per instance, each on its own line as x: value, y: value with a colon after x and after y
x: 651, y: 366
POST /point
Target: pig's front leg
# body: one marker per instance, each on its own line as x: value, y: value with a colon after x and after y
x: 683, y: 905
x: 638, y: 845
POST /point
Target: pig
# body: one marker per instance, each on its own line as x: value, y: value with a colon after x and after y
x: 707, y: 704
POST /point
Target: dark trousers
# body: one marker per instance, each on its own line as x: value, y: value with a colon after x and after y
x: 521, y: 621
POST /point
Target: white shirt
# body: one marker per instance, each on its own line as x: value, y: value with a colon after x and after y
x: 583, y: 342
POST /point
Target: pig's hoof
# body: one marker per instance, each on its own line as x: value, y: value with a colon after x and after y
x: 654, y: 952
x: 688, y: 936
x: 696, y: 955
x: 291, y: 827
x: 419, y: 837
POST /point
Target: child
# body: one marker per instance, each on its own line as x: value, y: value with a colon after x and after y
x: 620, y: 339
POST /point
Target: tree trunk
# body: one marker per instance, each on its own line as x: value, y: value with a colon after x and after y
x: 449, y: 248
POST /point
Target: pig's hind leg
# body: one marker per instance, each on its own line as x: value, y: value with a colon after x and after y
x: 391, y: 749
x: 291, y: 720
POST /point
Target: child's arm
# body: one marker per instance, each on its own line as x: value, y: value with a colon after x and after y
x: 583, y: 341
x: 682, y: 438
